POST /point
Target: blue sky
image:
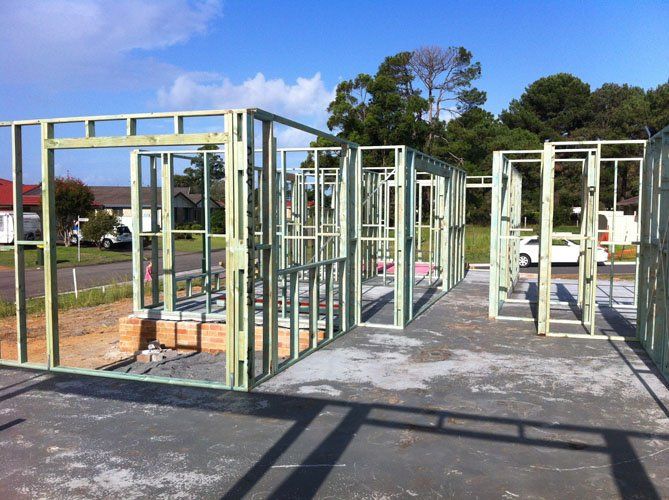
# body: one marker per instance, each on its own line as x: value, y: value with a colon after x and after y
x: 76, y: 57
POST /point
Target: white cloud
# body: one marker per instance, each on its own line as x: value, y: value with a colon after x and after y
x: 306, y: 97
x: 80, y: 42
x: 305, y: 101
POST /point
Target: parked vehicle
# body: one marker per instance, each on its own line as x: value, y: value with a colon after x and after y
x: 120, y: 236
x: 32, y: 227
x: 562, y: 252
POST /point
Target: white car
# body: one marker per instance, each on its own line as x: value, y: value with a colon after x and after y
x: 563, y: 252
x: 119, y: 236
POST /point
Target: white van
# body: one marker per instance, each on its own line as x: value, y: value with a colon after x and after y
x: 32, y: 227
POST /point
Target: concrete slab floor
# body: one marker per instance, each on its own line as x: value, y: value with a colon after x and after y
x: 453, y: 406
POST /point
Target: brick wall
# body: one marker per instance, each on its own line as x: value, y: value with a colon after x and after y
x: 136, y: 333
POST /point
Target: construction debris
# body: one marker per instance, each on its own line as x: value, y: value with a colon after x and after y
x: 155, y: 352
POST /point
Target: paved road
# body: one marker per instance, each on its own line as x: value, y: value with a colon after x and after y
x: 115, y: 272
x: 90, y: 276
x: 627, y: 268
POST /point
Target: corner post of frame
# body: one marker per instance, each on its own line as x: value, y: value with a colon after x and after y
x: 404, y: 238
x: 239, y: 249
x: 270, y: 252
x: 349, y: 237
x: 493, y: 291
x: 358, y: 209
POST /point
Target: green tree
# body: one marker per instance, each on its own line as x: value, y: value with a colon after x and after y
x: 616, y: 112
x: 193, y: 175
x: 469, y: 141
x: 658, y: 101
x: 99, y: 224
x: 552, y: 107
x: 447, y: 75
x: 382, y: 109
x: 73, y: 199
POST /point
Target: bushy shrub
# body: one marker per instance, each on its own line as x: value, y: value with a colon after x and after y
x: 99, y: 224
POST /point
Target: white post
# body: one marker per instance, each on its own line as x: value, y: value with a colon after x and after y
x: 78, y: 239
x: 74, y: 278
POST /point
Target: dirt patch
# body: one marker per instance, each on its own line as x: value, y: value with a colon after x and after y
x: 88, y: 336
x: 430, y: 355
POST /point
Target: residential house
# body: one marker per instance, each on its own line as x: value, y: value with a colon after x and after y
x: 116, y: 200
x: 187, y: 205
x: 32, y: 200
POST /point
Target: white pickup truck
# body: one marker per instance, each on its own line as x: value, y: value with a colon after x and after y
x: 32, y: 227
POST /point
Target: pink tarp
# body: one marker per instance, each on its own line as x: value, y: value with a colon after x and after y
x: 422, y: 268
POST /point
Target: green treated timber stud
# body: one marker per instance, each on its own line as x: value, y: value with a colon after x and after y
x: 270, y: 254
x: 167, y: 212
x: 19, y: 254
x: 294, y: 315
x: 231, y: 197
x: 50, y: 250
x: 493, y: 302
x: 545, y: 239
x: 136, y: 141
x: 155, y: 283
x: 206, y: 237
x: 329, y: 304
x: 313, y: 306
x: 136, y: 207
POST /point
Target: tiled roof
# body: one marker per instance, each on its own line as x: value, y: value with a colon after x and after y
x: 7, y: 195
x: 106, y: 196
x: 118, y: 196
x: 634, y: 200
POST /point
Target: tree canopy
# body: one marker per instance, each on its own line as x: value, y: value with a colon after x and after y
x: 426, y: 99
x: 73, y: 199
x: 193, y: 176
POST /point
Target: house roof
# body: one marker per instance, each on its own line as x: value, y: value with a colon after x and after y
x: 7, y: 194
x: 633, y: 201
x: 119, y: 196
x: 112, y: 196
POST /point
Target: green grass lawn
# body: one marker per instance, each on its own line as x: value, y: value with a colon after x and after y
x: 195, y: 244
x: 67, y: 256
x: 87, y: 298
x: 477, y: 244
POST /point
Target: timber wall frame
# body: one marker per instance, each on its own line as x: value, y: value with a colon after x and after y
x: 650, y: 300
x: 653, y: 273
x: 255, y: 243
x: 409, y: 178
x: 505, y: 222
x: 385, y: 195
